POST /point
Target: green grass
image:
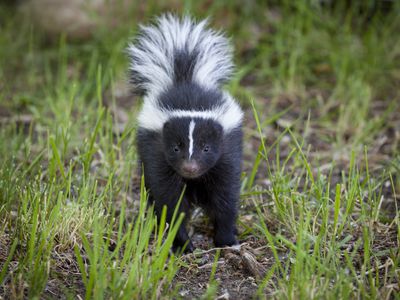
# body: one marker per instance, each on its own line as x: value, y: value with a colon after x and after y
x: 319, y: 204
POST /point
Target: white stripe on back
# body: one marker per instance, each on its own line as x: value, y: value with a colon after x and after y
x: 191, y: 128
x: 228, y: 114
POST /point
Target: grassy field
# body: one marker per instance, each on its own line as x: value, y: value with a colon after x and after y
x: 319, y: 215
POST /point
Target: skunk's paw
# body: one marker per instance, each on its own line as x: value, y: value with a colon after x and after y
x: 223, y: 241
x: 178, y: 248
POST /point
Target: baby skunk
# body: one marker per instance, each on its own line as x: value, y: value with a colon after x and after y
x: 189, y: 129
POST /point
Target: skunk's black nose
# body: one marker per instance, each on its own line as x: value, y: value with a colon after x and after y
x: 190, y: 167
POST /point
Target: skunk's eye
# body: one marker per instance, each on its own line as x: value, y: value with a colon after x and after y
x: 177, y: 147
x: 206, y: 148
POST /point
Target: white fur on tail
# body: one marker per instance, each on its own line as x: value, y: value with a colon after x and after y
x: 152, y: 54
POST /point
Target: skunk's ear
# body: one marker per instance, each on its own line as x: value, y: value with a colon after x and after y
x: 167, y: 125
x: 220, y: 131
x: 166, y: 132
x: 217, y: 130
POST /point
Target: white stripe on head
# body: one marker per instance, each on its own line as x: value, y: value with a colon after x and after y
x: 191, y: 128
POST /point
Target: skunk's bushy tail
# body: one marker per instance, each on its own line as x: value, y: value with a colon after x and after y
x: 175, y: 50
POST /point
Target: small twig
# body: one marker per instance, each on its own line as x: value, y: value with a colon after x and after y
x: 209, y: 265
x: 236, y: 248
x: 388, y: 263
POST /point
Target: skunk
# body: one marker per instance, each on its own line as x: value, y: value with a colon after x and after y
x: 189, y: 130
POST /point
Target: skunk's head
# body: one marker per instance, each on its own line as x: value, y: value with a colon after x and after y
x: 192, y: 146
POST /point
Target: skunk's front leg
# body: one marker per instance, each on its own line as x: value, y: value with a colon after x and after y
x: 224, y: 193
x: 223, y: 212
x: 170, y: 198
x: 182, y: 240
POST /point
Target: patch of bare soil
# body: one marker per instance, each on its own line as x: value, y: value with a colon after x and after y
x: 239, y: 270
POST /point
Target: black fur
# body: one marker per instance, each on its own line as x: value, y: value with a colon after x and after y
x: 216, y: 190
x: 184, y: 63
x: 189, y: 96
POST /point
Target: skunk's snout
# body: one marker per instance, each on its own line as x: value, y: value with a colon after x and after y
x: 190, y: 169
